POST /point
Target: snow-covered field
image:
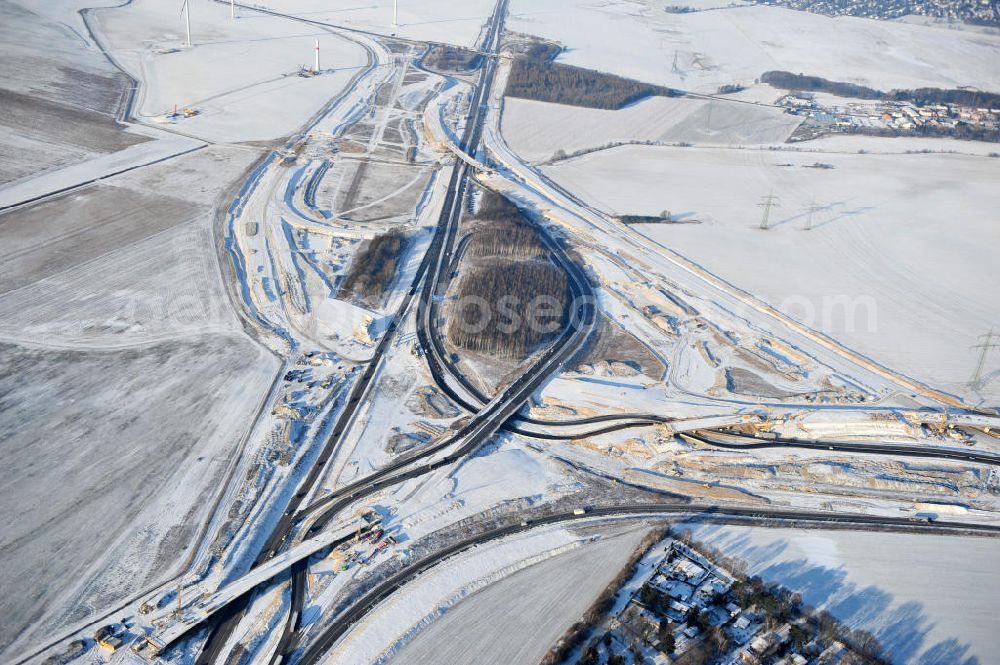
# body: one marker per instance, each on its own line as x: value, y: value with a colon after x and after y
x: 58, y: 94
x: 517, y: 619
x: 128, y: 386
x: 427, y: 20
x: 123, y: 262
x: 128, y: 382
x: 242, y: 74
x: 702, y: 50
x: 491, y: 478
x: 929, y: 599
x: 585, y: 567
x: 897, y: 266
x: 537, y: 130
x: 113, y: 462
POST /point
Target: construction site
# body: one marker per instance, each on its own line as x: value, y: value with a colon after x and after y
x: 372, y: 334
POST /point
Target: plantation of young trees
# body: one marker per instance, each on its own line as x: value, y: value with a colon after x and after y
x: 505, y: 233
x: 505, y: 308
x: 511, y: 297
x: 374, y: 268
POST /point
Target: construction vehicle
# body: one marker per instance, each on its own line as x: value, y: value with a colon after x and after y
x: 111, y: 643
x: 190, y: 112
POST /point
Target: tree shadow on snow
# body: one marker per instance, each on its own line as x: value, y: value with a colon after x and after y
x: 901, y: 629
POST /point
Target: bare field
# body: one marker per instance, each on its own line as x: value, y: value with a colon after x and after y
x: 43, y: 240
x: 111, y: 462
x: 119, y: 262
x: 613, y: 345
x: 40, y: 134
x: 382, y: 191
x: 166, y: 283
x: 58, y: 94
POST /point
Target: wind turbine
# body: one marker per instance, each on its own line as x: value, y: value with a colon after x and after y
x: 395, y: 16
x: 186, y: 10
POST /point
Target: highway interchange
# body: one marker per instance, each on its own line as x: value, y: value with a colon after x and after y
x: 308, y: 514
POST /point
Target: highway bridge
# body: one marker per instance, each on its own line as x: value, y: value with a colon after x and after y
x: 435, y: 257
x: 309, y: 522
x: 205, y: 608
x: 468, y: 159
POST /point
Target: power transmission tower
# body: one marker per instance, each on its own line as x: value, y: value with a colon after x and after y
x: 984, y: 348
x: 810, y: 210
x: 768, y: 202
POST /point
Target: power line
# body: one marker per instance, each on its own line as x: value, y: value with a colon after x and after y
x: 811, y: 209
x: 768, y: 202
x: 984, y: 348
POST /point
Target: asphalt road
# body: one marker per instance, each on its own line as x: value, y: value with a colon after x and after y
x: 316, y: 651
x: 353, y: 493
x: 893, y: 450
x: 441, y: 365
x: 479, y: 429
x: 226, y: 621
x: 476, y: 430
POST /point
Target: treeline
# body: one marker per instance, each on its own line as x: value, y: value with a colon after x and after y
x: 962, y: 131
x: 451, y: 59
x: 919, y: 96
x: 534, y: 75
x: 663, y: 217
x: 496, y: 207
x: 780, y: 605
x: 374, y: 268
